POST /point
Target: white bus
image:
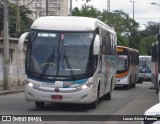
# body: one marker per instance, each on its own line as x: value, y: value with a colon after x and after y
x: 144, y: 69
x: 127, y: 67
x: 69, y: 60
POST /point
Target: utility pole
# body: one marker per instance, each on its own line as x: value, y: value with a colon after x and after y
x: 46, y: 7
x: 133, y: 24
x: 145, y: 36
x: 6, y: 47
x: 70, y: 7
x: 108, y: 5
x: 17, y: 19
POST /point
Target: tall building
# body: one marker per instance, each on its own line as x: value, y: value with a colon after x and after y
x: 39, y: 7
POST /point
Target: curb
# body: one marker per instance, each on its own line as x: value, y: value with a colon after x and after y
x: 10, y: 92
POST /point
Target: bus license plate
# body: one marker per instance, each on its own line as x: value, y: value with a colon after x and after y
x: 56, y: 97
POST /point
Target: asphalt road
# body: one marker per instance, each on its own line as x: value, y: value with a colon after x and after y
x: 124, y: 102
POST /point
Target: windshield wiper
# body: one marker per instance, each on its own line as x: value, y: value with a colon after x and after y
x: 50, y: 58
x: 69, y: 66
x: 67, y: 62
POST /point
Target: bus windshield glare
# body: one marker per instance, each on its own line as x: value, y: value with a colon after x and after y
x: 59, y: 54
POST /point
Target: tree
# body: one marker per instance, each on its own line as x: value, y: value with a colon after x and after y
x: 25, y: 21
x: 87, y: 11
x: 122, y: 40
x: 123, y: 25
x: 148, y: 37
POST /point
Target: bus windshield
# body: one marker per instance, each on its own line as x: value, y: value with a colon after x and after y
x: 122, y: 62
x: 145, y: 65
x: 59, y: 54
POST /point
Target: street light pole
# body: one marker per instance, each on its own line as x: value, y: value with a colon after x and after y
x: 133, y: 23
x: 6, y: 47
x: 145, y: 36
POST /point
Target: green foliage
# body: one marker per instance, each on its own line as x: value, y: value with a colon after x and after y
x: 122, y: 40
x: 87, y: 11
x: 25, y: 21
x: 122, y: 24
x: 145, y: 44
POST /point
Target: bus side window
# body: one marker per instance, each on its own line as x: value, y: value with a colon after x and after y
x: 106, y: 46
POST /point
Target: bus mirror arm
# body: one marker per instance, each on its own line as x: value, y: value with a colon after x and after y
x: 96, y: 45
x: 21, y: 41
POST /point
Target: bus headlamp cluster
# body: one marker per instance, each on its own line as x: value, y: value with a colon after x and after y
x: 85, y: 86
x: 124, y: 76
x: 31, y: 84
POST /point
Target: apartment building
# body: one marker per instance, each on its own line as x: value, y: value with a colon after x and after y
x: 41, y: 8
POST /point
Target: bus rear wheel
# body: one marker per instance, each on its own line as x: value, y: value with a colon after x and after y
x: 39, y: 105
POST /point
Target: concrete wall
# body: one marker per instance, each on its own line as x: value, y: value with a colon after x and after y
x: 17, y: 63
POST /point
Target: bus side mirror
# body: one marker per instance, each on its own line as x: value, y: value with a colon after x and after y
x: 96, y: 45
x: 21, y: 41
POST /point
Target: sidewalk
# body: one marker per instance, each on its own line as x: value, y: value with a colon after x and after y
x: 12, y: 89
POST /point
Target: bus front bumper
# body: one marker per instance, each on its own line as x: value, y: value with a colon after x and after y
x: 64, y: 95
x: 120, y: 82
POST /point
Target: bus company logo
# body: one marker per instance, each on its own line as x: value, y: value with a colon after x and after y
x: 56, y: 89
x: 6, y: 118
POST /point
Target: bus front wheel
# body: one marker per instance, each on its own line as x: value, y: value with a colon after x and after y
x: 39, y: 105
x: 108, y: 96
x: 93, y: 105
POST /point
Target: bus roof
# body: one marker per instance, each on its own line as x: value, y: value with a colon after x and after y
x: 69, y: 23
x: 144, y: 56
x: 131, y: 49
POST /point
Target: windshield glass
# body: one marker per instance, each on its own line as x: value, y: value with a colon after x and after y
x: 122, y: 62
x: 145, y: 65
x: 60, y: 54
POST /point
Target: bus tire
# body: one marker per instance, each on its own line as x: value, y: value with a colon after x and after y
x: 93, y: 105
x: 134, y: 85
x: 157, y: 88
x: 130, y: 83
x: 140, y: 81
x: 39, y: 105
x: 126, y: 87
x: 108, y: 96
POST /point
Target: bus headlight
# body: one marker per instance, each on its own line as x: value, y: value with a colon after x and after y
x: 85, y: 86
x: 31, y: 84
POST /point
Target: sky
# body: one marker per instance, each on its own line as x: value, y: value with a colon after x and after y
x: 144, y: 11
